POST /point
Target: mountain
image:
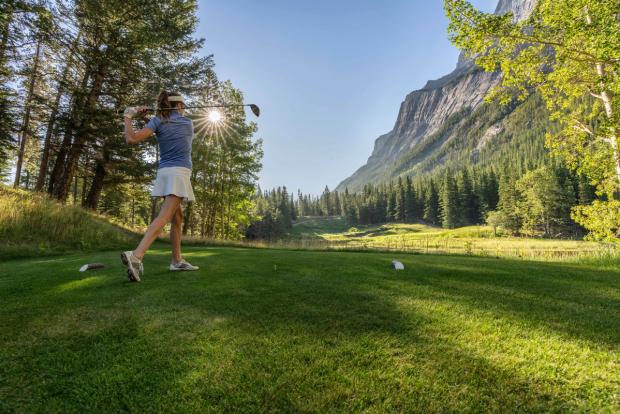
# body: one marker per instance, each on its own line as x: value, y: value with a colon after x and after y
x: 431, y: 121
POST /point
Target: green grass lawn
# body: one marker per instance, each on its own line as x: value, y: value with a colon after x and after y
x: 260, y: 330
x: 333, y: 232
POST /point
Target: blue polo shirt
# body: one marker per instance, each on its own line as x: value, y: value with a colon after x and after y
x: 174, y: 137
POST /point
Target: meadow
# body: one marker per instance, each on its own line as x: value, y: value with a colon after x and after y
x: 335, y: 233
x: 33, y: 225
x: 260, y: 330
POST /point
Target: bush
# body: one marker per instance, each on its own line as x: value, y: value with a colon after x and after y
x: 601, y: 218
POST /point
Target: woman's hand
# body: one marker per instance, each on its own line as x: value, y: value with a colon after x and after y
x: 135, y: 111
x: 141, y: 111
x: 130, y: 112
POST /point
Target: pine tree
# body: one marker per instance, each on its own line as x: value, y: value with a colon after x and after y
x: 432, y: 205
x: 391, y: 214
x: 326, y: 202
x: 336, y: 207
x: 586, y: 191
x: 449, y: 202
x: 469, y: 204
x: 411, y: 213
x: 401, y: 206
x: 292, y: 208
x: 508, y: 203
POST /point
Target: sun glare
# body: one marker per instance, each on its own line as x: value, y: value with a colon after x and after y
x: 215, y: 116
x: 213, y: 125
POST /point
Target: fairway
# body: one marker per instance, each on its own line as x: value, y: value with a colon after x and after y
x: 260, y: 330
x: 335, y: 233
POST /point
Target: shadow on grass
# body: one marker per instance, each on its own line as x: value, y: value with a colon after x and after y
x: 285, y: 331
x: 576, y: 301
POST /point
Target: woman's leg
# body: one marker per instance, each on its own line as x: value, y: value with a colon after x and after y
x: 175, y: 234
x: 168, y: 209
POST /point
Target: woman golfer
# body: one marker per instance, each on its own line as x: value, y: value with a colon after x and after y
x: 174, y: 134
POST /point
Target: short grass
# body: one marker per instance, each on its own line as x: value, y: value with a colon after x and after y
x: 333, y: 232
x: 258, y: 330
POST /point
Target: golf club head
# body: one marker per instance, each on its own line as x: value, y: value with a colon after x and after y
x: 255, y: 110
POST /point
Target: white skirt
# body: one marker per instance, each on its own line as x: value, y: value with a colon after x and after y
x: 175, y: 181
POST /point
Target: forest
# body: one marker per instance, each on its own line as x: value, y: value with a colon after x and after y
x: 66, y: 70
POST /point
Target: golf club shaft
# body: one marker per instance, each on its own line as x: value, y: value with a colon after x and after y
x: 150, y: 109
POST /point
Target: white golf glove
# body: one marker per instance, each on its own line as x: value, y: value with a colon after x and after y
x: 130, y: 112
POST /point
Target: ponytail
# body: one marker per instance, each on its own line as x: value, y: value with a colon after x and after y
x: 164, y: 106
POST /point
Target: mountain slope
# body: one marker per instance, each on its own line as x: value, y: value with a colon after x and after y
x: 426, y: 112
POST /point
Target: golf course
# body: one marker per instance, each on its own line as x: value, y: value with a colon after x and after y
x: 214, y: 206
x: 323, y: 329
x: 260, y: 330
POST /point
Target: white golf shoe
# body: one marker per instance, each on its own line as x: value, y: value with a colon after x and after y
x: 135, y: 268
x: 183, y: 266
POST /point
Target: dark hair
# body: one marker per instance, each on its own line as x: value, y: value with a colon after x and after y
x: 163, y: 102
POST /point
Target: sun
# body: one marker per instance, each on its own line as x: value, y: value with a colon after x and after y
x: 214, y: 116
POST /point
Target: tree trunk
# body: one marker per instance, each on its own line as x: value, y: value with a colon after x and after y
x: 186, y: 219
x: 26, y: 122
x: 92, y: 199
x: 153, y: 208
x: 83, y: 133
x: 133, y: 211
x: 61, y: 156
x: 188, y: 211
x: 60, y: 159
x: 605, y: 97
x: 83, y: 198
x: 75, y: 189
x: 609, y: 112
x: 52, y: 120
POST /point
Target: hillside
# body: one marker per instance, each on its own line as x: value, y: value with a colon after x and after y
x: 446, y: 123
x: 34, y: 225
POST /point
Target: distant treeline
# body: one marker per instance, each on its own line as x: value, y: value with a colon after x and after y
x: 535, y: 202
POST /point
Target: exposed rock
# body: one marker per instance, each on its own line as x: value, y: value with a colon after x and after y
x: 424, y: 111
x: 489, y: 135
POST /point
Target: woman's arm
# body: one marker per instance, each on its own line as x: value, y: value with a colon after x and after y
x: 134, y: 137
x: 131, y: 136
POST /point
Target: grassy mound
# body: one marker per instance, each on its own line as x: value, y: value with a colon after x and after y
x: 32, y: 224
x: 296, y: 331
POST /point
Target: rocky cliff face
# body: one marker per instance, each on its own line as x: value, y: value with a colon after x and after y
x: 424, y: 111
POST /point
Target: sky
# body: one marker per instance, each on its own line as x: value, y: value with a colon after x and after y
x: 329, y: 75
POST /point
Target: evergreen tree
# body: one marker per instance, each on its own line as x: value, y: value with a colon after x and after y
x: 586, y: 191
x: 507, y: 205
x: 401, y: 206
x: 470, y: 206
x: 411, y: 211
x: 326, y: 202
x: 391, y: 214
x: 449, y: 202
x: 293, y: 208
x: 336, y: 207
x: 431, y: 204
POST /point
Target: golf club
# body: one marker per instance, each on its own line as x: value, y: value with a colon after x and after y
x: 254, y: 108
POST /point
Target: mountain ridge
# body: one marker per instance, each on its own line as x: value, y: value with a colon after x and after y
x: 424, y: 111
